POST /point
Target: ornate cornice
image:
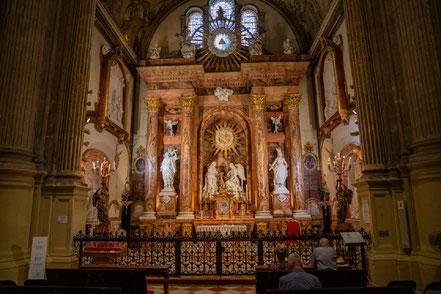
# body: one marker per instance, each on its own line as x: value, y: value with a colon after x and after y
x: 292, y: 100
x: 257, y: 101
x: 107, y: 25
x: 187, y: 103
x: 153, y: 104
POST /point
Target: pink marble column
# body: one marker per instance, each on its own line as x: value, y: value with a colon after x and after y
x: 257, y: 103
x: 151, y: 158
x: 185, y: 201
x: 295, y: 143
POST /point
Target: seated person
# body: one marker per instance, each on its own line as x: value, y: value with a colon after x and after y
x: 281, y: 251
x: 324, y: 256
x: 298, y: 278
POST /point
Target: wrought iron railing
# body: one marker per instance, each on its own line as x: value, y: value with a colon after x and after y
x: 217, y: 254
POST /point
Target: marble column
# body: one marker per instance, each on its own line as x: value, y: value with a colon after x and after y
x: 370, y: 114
x: 418, y: 32
x: 257, y: 103
x: 185, y: 201
x: 297, y: 175
x: 151, y: 159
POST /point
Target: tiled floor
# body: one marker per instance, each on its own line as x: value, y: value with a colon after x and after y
x: 204, y: 289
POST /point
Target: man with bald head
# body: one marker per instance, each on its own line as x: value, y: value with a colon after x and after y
x: 324, y: 257
x: 298, y: 278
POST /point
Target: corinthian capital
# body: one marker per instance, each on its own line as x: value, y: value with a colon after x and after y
x: 187, y: 103
x: 257, y: 101
x: 292, y: 100
x: 153, y: 104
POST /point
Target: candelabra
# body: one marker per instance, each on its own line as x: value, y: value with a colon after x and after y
x: 338, y: 166
x: 105, y: 168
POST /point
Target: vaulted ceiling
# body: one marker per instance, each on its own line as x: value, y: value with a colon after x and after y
x: 138, y: 19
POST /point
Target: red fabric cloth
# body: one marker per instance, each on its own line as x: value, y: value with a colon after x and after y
x: 293, y: 228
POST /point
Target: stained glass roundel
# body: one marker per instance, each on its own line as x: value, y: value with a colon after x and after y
x: 222, y: 41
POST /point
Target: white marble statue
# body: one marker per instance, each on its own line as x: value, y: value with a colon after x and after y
x: 357, y: 169
x: 223, y: 93
x: 211, y: 181
x: 168, y: 168
x: 255, y: 46
x: 276, y: 120
x: 188, y: 49
x: 330, y: 89
x: 233, y: 181
x: 115, y: 109
x: 154, y: 52
x: 289, y: 47
x: 169, y: 126
x: 241, y: 174
x: 280, y: 170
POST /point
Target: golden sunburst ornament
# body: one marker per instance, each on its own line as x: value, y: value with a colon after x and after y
x: 224, y: 137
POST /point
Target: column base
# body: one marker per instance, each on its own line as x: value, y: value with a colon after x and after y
x: 148, y: 215
x: 264, y: 214
x: 185, y: 215
x: 301, y: 214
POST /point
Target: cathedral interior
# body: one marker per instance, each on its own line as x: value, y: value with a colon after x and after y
x: 182, y: 117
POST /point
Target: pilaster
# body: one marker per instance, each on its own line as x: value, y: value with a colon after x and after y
x: 185, y: 201
x: 151, y: 159
x: 257, y: 103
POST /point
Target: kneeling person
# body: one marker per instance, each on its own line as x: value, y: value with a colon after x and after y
x: 298, y: 278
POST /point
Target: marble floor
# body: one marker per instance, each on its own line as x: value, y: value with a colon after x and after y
x: 203, y: 289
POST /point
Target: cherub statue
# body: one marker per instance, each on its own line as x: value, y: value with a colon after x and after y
x: 154, y: 52
x: 255, y: 46
x: 289, y: 47
x: 223, y: 93
x: 169, y: 126
x: 276, y: 120
x: 188, y: 49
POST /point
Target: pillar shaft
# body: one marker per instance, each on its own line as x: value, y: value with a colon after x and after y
x: 74, y: 112
x: 151, y: 157
x: 295, y: 143
x: 368, y: 102
x: 257, y: 103
x: 25, y: 27
x: 185, y: 202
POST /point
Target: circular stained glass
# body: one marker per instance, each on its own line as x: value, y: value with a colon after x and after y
x: 222, y: 41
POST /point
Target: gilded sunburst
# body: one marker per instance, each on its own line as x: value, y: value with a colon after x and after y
x: 224, y: 137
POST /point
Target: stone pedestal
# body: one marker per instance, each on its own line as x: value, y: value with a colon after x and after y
x: 167, y: 203
x: 281, y: 204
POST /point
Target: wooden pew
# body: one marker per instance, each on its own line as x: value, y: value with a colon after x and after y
x: 150, y: 270
x: 347, y: 290
x: 131, y: 281
x: 267, y: 279
x: 57, y: 290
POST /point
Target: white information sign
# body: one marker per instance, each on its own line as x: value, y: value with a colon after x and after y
x: 352, y: 238
x: 365, y: 210
x: 38, y: 258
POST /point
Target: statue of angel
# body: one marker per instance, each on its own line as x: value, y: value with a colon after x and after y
x: 154, y: 52
x: 169, y: 126
x: 289, y: 47
x: 255, y: 46
x: 276, y: 120
x: 168, y: 168
x: 223, y: 93
x: 241, y: 174
x: 233, y: 181
x: 188, y: 49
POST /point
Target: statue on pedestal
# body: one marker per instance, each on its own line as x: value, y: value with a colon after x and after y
x: 344, y: 197
x: 289, y: 47
x: 255, y: 46
x: 211, y: 179
x: 168, y: 168
x: 101, y: 202
x: 280, y: 170
x: 154, y: 52
x: 188, y: 49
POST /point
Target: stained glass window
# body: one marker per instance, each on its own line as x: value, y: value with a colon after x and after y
x: 249, y: 25
x: 196, y: 28
x: 227, y: 8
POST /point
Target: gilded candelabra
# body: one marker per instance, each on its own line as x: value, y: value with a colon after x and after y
x: 338, y: 166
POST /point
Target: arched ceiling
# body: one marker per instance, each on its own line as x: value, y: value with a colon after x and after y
x: 139, y: 19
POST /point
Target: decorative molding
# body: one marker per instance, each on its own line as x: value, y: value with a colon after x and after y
x: 107, y: 25
x: 328, y: 26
